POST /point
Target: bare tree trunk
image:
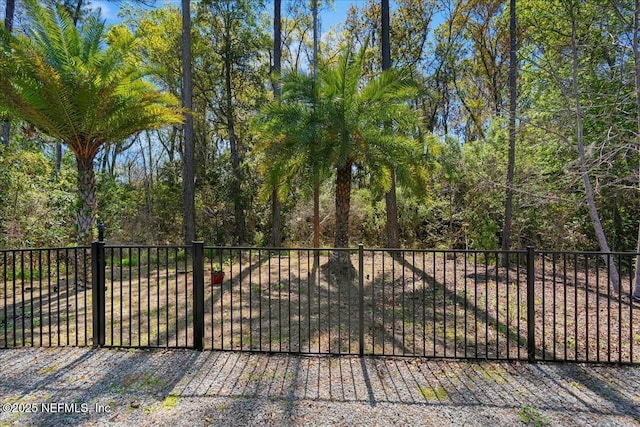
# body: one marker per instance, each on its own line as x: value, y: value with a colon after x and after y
x: 343, y: 204
x: 6, y: 132
x: 316, y: 178
x: 513, y: 98
x: 276, y: 220
x: 59, y: 157
x: 76, y: 12
x: 636, y: 71
x: 316, y: 212
x: 9, y: 12
x: 148, y: 184
x: 393, y: 230
x: 235, y: 153
x: 391, y: 201
x: 188, y: 168
x: 8, y: 25
x: 589, y: 195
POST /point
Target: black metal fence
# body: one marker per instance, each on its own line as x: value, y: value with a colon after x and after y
x: 518, y: 305
x: 45, y: 297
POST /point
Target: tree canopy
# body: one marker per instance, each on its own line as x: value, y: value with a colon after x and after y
x: 438, y: 121
x: 72, y: 86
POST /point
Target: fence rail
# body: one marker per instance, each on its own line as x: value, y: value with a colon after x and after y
x: 517, y: 305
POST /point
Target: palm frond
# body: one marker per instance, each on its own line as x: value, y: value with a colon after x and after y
x: 62, y: 80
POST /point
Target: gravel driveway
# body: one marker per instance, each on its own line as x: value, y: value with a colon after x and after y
x: 78, y: 386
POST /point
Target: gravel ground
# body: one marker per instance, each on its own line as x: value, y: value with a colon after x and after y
x: 78, y: 386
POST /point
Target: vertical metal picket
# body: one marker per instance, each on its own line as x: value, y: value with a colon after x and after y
x: 98, y: 265
x: 361, y: 299
x: 198, y: 295
x: 531, y: 310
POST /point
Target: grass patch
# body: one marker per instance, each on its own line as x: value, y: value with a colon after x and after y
x: 146, y: 383
x: 433, y: 394
x: 170, y: 402
x: 47, y: 370
x: 495, y: 374
x: 532, y: 417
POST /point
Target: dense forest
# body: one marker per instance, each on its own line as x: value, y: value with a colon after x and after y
x: 304, y: 143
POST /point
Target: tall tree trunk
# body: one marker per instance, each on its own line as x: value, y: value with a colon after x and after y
x: 58, y: 154
x: 589, y: 195
x: 316, y: 229
x: 9, y: 12
x: 316, y: 178
x: 8, y: 25
x: 392, y: 228
x: 148, y: 184
x: 233, y: 144
x: 316, y: 37
x: 513, y: 98
x: 343, y: 205
x: 77, y: 11
x: 276, y: 220
x: 316, y: 212
x: 188, y: 167
x: 636, y: 70
x: 87, y: 200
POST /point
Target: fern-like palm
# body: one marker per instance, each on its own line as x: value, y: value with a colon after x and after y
x: 72, y: 86
x: 341, y: 122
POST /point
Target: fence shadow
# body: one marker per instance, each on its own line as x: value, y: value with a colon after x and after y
x: 183, y: 387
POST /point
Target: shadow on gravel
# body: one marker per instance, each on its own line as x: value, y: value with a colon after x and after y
x: 183, y: 387
x: 64, y: 386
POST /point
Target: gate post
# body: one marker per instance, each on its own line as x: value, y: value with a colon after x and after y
x: 531, y: 302
x: 361, y: 299
x: 198, y: 295
x: 98, y: 264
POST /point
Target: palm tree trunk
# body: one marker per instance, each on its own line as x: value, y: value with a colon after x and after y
x: 343, y: 205
x: 87, y: 200
x: 340, y: 260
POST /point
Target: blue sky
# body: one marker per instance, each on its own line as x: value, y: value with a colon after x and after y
x: 330, y: 17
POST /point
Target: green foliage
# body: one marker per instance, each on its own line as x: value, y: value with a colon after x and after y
x: 531, y: 416
x: 453, y: 85
x: 62, y: 80
x: 35, y: 207
x: 342, y: 120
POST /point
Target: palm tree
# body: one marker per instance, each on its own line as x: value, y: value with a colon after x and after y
x: 289, y: 143
x: 339, y: 124
x: 370, y: 125
x: 65, y: 82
